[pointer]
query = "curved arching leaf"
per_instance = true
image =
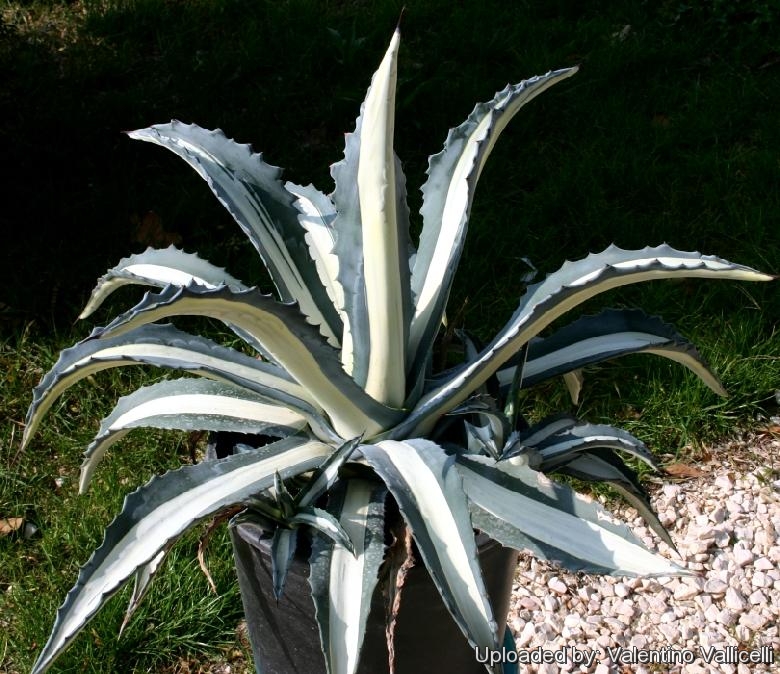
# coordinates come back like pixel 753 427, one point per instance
pixel 447 197
pixel 168 347
pixel 521 508
pixel 253 193
pixel 538 434
pixel 293 343
pixel 158 513
pixel 604 466
pixel 609 334
pixel 560 446
pixel 544 302
pixel 159 267
pixel 325 523
pixel 189 405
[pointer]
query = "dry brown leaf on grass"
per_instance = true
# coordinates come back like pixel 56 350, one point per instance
pixel 10 525
pixel 206 537
pixel 773 430
pixel 683 471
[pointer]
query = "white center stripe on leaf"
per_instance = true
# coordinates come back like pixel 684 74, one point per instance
pixel 587 348
pixel 376 183
pixel 142 542
pixel 583 540
pixel 445 530
pixel 129 351
pixel 209 405
pixel 453 213
pixel 347 600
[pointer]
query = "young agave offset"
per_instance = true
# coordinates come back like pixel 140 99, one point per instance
pixel 344 376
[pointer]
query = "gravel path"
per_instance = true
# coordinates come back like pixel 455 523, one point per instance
pixel 726 525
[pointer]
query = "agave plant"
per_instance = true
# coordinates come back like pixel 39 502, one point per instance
pixel 341 372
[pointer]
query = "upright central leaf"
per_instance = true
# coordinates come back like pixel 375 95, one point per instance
pixel 381 256
pixel 371 214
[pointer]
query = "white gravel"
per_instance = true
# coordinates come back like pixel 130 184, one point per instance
pixel 726 525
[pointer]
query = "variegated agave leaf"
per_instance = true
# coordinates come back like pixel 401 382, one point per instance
pixel 253 193
pixel 603 465
pixel 158 513
pixel 447 197
pixel 609 334
pixel 316 215
pixel 556 441
pixel 342 582
pixel 294 344
pixel 586 451
pixel 520 508
pixel 562 290
pixel 540 432
pixel 168 347
pixel 372 242
pixel 423 480
pixel 322 521
pixel 159 267
pixel 189 405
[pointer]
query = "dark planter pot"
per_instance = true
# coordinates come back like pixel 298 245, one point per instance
pixel 285 639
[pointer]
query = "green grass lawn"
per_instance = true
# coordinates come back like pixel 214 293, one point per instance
pixel 668 133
